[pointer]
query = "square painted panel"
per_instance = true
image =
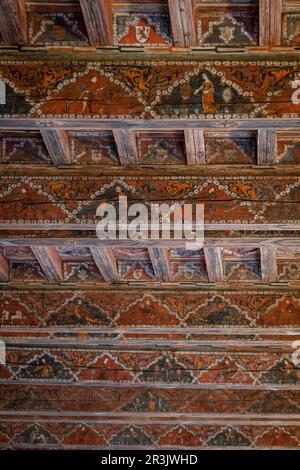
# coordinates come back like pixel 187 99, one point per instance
pixel 241 264
pixel 227 25
pixel 188 265
pixel 46 28
pixel 161 148
pixel 288 266
pixel 26 270
pixel 288 147
pixel 234 148
pixel 290 31
pixel 142 29
pixel 136 270
pixel 24 148
pixel 74 271
pixel 93 148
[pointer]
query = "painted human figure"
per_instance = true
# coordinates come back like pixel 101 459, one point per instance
pixel 208 95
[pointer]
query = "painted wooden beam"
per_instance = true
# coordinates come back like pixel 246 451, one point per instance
pixel 183 22
pixel 13 22
pixel 195 146
pixel 57 143
pixel 266 147
pixel 4 268
pixel 98 21
pixel 214 263
pixel 126 146
pixel 268 263
pixel 50 262
pixel 105 262
pixel 161 263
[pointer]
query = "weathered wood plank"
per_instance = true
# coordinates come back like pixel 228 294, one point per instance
pixel 49 261
pixel 126 146
pixel 4 268
pixel 214 263
pixel 183 22
pixel 268 263
pixel 13 21
pixel 270 22
pixel 264 22
pixel 57 143
pixel 266 146
pixel 106 262
pixel 161 263
pixel 92 226
pixel 275 22
pixel 195 146
pixel 99 21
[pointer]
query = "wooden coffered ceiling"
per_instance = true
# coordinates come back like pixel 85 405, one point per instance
pixel 144 344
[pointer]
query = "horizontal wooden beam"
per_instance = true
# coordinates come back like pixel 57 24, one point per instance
pixel 161 263
pixel 149 125
pixel 183 22
pixel 49 261
pixel 126 146
pixel 105 262
pixel 291 244
pixel 57 143
pixel 98 20
pixel 285 227
pixel 4 268
pixel 195 146
pixel 152 418
pixel 13 22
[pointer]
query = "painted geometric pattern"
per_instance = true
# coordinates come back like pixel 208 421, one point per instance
pixel 142 30
pixel 227 26
pixel 188 265
pixel 94 309
pixel 56 28
pixel 29 148
pixel 26 270
pixel 288 265
pixel 241 264
pixel 75 200
pixel 136 270
pixel 56 435
pixel 81 271
pixel 238 149
pixel 91 148
pixel 150 90
pixel 288 147
pixel 32 397
pixel 161 148
pixel 68 365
